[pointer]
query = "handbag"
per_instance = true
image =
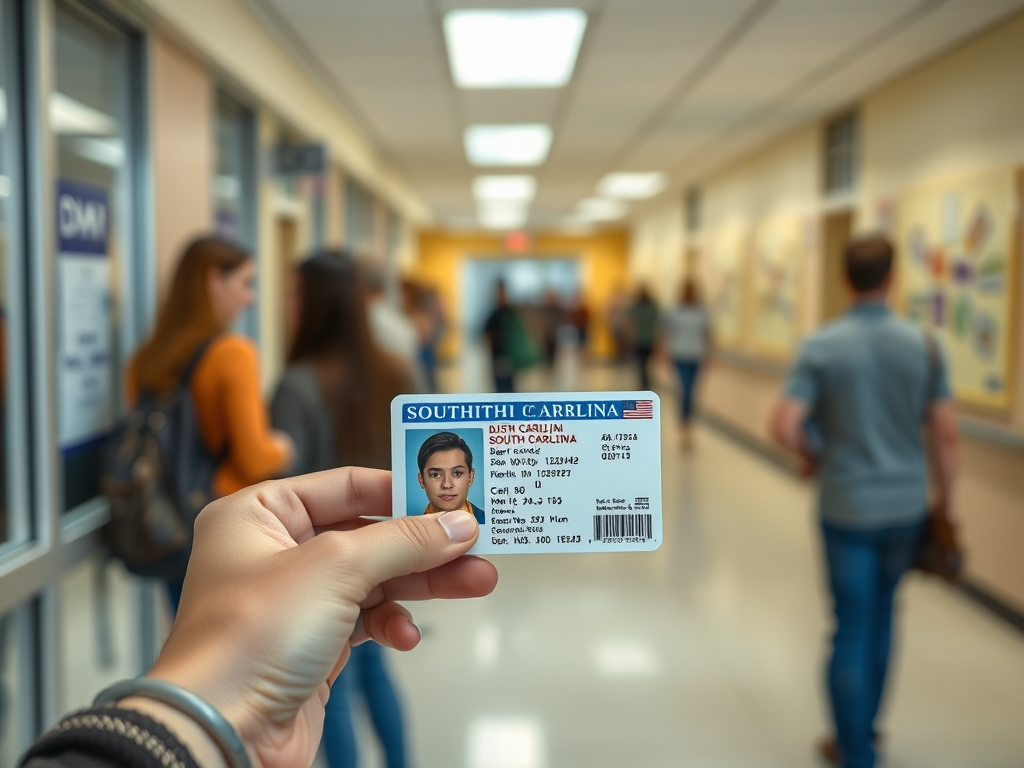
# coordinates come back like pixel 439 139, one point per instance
pixel 939 552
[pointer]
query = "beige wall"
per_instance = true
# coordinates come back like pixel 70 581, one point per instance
pixel 236 42
pixel 182 135
pixel 960 112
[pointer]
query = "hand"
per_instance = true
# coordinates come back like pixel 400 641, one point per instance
pixel 284 578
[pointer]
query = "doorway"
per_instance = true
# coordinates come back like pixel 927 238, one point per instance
pixel 835 298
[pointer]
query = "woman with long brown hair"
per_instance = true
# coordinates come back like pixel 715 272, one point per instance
pixel 212 285
pixel 335 402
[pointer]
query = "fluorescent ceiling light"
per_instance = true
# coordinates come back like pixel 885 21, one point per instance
pixel 601 209
pixel 502 216
pixel 70 116
pixel 519 188
pixel 513 48
pixel 625 660
pixel 526 144
pixel 632 186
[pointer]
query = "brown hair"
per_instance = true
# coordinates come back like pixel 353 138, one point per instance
pixel 689 295
pixel 868 262
pixel 187 317
pixel 358 380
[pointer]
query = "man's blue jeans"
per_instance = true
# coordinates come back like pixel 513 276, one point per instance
pixel 364 673
pixel 864 567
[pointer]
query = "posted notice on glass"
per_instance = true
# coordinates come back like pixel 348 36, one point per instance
pixel 540 471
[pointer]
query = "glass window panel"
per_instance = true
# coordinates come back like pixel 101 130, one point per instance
pixel 89 116
pixel 6 523
pixel 16 691
pixel 100 616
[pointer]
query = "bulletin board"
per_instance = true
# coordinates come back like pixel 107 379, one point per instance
pixel 957 276
pixel 777 256
pixel 723 264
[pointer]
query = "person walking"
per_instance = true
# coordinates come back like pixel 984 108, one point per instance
pixel 335 402
pixel 643 323
pixel 211 287
pixel 852 412
pixel 686 336
pixel 498 330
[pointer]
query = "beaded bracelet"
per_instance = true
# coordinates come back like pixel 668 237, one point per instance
pixel 186 702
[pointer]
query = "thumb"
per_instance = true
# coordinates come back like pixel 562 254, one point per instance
pixel 407 545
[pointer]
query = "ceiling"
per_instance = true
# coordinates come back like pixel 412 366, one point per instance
pixel 681 86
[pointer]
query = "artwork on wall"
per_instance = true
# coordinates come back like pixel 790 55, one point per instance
pixel 723 265
pixel 776 262
pixel 956 276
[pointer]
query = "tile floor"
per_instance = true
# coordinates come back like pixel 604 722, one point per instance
pixel 705 653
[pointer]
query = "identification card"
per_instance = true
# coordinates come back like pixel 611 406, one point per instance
pixel 541 471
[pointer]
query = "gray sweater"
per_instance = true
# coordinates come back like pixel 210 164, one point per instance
pixel 298 408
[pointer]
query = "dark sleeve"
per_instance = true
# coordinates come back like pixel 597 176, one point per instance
pixel 108 737
pixel 288 412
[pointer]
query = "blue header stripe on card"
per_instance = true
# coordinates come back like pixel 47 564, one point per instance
pixel 576 410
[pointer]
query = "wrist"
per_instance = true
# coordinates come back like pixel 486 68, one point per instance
pixel 186 730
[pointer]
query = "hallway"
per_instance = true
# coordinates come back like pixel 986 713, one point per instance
pixel 704 653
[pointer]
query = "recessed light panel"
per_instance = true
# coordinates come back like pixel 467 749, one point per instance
pixel 502 215
pixel 601 209
pixel 518 187
pixel 533 48
pixel 632 186
pixel 507 145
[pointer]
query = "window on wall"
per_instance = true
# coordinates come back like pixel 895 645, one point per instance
pixel 841 153
pixel 91 116
pixel 234 180
pixel 6 189
pixel 360 217
pixel 235 185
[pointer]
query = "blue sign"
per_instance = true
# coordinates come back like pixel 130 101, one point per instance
pixel 83 217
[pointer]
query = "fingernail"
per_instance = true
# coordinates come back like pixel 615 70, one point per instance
pixel 418 630
pixel 459 525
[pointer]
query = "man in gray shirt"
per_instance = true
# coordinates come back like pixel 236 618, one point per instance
pixel 853 410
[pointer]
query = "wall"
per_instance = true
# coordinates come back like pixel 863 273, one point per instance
pixel 957 113
pixel 604 269
pixel 232 38
pixel 182 136
pixel 961 113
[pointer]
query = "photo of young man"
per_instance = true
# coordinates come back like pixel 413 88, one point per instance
pixel 446 474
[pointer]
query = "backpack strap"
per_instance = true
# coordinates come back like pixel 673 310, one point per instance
pixel 193 363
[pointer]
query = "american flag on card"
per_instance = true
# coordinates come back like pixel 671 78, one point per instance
pixel 638 409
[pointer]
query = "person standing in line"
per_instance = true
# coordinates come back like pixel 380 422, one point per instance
pixel 497 331
pixel 853 410
pixel 686 334
pixel 390 324
pixel 212 285
pixel 335 402
pixel 643 323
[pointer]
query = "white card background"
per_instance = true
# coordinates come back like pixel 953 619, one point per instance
pixel 555 472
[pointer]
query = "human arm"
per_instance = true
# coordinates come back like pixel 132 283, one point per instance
pixel 944 451
pixel 284 578
pixel 255 451
pixel 789 416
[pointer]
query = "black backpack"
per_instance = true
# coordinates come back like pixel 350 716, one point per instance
pixel 157 475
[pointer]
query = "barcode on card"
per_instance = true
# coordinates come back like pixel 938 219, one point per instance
pixel 622 527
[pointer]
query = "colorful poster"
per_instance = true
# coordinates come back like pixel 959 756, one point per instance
pixel 956 276
pixel 85 376
pixel 723 266
pixel 777 258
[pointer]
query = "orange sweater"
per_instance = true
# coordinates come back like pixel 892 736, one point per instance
pixel 231 412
